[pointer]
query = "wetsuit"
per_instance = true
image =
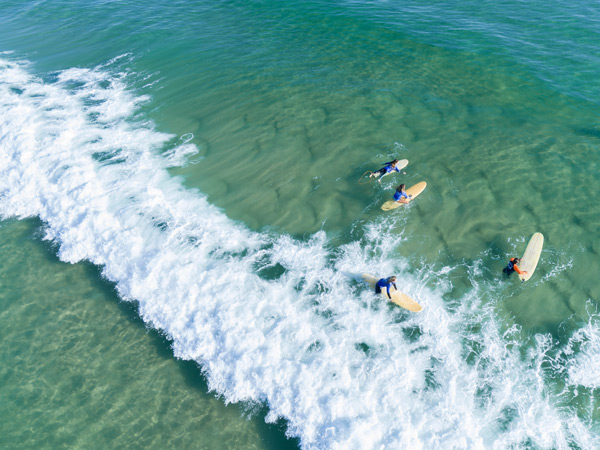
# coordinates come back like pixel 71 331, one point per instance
pixel 399 194
pixel 511 267
pixel 386 284
pixel 385 170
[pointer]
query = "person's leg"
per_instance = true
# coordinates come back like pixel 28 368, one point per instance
pixel 377 173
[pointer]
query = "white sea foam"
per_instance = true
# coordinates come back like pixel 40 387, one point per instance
pixel 306 338
pixel 582 355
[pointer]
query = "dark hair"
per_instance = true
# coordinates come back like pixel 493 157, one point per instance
pixel 402 186
pixel 392 278
pixel 394 162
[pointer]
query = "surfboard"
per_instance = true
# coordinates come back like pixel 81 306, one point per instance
pixel 413 190
pixel 402 164
pixel 530 258
pixel 398 297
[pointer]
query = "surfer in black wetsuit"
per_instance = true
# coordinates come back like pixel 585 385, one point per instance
pixel 386 283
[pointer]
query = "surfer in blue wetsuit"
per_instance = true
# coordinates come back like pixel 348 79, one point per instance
pixel 385 283
pixel 388 167
pixel 400 195
pixel 512 267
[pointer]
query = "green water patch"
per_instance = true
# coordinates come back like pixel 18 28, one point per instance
pixel 81 370
pixel 287 151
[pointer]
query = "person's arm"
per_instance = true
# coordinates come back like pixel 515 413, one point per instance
pixel 519 270
pixel 388 292
pixel 402 198
pixel 395 287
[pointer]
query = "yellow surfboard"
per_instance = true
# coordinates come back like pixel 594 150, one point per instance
pixel 413 190
pixel 530 258
pixel 398 297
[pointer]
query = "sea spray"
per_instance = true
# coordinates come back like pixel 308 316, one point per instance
pixel 270 319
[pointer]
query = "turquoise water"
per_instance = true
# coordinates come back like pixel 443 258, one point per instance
pixel 202 161
pixel 74 356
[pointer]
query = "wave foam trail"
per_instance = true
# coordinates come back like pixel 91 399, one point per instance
pixel 343 369
pixel 582 355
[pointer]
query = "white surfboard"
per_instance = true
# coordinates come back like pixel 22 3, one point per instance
pixel 413 190
pixel 398 297
pixel 530 258
pixel 402 164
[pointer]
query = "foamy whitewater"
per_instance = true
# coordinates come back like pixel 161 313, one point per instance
pixel 270 319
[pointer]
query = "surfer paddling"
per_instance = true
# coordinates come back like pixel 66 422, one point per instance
pixel 512 266
pixel 385 283
pixel 400 195
pixel 387 168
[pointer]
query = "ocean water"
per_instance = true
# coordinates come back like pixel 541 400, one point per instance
pixel 183 231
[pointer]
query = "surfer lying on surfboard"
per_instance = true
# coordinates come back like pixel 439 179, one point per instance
pixel 400 195
pixel 386 283
pixel 388 167
pixel 512 267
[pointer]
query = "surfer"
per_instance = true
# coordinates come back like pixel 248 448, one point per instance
pixel 388 167
pixel 512 266
pixel 400 195
pixel 385 283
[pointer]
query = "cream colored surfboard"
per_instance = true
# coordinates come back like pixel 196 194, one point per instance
pixel 402 164
pixel 530 258
pixel 413 190
pixel 398 297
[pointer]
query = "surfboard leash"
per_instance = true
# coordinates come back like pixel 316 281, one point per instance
pixel 363 179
